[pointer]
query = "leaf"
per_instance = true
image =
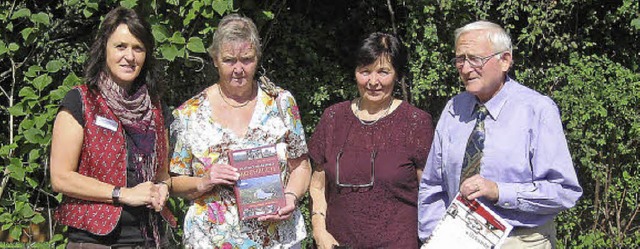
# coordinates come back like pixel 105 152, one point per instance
pixel 7 225
pixel 57 237
pixel 28 93
pixel 5 218
pixel 15 232
pixel 129 4
pixel 222 6
pixel 13 47
pixel 16 172
pixel 636 23
pixel 177 38
pixel 59 93
pixel 27 211
pixel 26 32
pixel 16 110
pixel 268 15
pixel 195 45
pixel 20 13
pixel 189 17
pixel 40 121
pixel 93 4
pixel 41 18
pixel 169 52
pixel 31 182
pixel 42 81
pixel 3 48
pixel 54 66
pixel 87 13
pixel 37 219
pixel 160 33
pixel 33 71
pixel 5 149
pixel 71 80
pixel 27 123
pixel 33 135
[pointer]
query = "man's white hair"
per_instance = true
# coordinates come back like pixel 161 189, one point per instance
pixel 500 40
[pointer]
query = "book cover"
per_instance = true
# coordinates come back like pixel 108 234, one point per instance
pixel 469 224
pixel 259 190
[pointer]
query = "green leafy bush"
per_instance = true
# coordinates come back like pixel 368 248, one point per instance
pixel 584 54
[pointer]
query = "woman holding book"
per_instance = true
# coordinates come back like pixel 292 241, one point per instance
pixel 237 112
pixel 368 155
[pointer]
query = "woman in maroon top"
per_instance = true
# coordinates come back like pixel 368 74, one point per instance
pixel 368 156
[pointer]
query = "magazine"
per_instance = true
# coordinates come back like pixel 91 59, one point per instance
pixel 259 190
pixel 469 224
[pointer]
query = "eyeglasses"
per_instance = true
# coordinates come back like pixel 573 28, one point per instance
pixel 348 185
pixel 474 61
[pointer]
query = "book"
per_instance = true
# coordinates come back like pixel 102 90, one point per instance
pixel 469 224
pixel 259 190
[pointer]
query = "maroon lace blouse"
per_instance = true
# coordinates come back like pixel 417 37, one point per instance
pixel 384 215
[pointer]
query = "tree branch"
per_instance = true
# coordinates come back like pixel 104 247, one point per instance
pixel 5 179
pixel 403 83
pixel 633 216
pixel 393 18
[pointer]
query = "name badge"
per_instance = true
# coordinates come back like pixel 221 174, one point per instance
pixel 106 123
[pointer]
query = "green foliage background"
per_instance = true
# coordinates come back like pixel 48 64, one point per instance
pixel 582 53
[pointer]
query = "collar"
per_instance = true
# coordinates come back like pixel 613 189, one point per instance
pixel 495 104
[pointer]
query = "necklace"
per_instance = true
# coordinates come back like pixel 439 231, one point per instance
pixel 373 121
pixel 224 98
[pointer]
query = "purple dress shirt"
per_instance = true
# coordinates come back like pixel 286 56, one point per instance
pixel 525 153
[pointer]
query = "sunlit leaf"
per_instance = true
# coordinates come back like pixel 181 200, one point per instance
pixel 54 66
pixel 222 6
pixel 16 110
pixel 28 93
pixel 41 18
pixel 160 33
pixel 27 211
pixel 636 23
pixel 130 4
pixel 177 38
pixel 59 93
pixel 195 45
pixel 25 33
pixel 13 47
pixel 169 52
pixel 16 172
pixel 71 80
pixel 20 13
pixel 33 135
pixel 268 15
pixel 42 81
pixel 33 71
pixel 15 232
pixel 37 219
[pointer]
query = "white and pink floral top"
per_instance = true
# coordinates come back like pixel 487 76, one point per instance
pixel 212 219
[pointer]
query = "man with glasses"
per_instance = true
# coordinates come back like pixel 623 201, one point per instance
pixel 498 142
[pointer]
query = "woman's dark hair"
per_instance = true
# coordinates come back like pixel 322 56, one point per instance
pixel 96 64
pixel 379 45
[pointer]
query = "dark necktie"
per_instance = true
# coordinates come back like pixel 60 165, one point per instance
pixel 475 145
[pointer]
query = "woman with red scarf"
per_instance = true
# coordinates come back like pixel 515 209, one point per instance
pixel 109 145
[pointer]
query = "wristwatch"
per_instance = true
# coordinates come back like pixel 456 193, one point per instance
pixel 115 195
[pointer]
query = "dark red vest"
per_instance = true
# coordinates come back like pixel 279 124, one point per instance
pixel 104 157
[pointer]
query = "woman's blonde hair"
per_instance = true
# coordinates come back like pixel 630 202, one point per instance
pixel 235 28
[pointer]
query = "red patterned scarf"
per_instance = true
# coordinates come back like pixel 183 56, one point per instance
pixel 134 112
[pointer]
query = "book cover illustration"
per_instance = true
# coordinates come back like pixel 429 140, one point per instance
pixel 259 190
pixel 469 224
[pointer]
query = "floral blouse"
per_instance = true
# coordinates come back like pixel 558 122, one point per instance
pixel 212 219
